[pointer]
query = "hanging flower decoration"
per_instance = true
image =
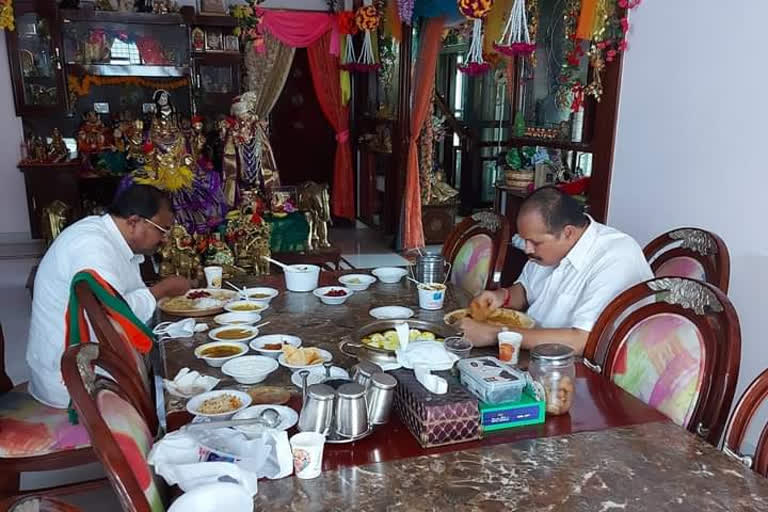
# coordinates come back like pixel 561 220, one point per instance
pixel 608 40
pixel 405 10
pixel 475 10
pixel 249 27
pixel 367 19
pixel 515 39
pixel 6 15
pixel 348 27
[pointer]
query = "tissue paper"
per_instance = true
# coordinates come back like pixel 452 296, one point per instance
pixel 188 383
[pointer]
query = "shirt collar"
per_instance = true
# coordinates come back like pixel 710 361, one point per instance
pixel 115 234
pixel 579 253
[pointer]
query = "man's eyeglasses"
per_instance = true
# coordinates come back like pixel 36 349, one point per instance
pixel 160 228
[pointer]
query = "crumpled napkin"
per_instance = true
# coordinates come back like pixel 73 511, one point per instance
pixel 431 355
pixel 433 383
pixel 403 334
pixel 185 328
pixel 188 383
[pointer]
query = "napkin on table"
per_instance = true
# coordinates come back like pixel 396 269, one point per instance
pixel 433 383
pixel 189 383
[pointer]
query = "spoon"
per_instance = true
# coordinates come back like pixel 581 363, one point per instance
pixel 269 417
pixel 412 279
pixel 261 325
pixel 278 263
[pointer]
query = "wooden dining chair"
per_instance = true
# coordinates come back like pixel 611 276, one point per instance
pixel 674 343
pixel 690 252
pixel 476 249
pixel 120 434
pixel 742 418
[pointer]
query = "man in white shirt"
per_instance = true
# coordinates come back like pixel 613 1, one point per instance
pixel 576 267
pixel 114 246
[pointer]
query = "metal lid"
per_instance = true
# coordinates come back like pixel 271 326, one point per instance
pixel 321 392
pixel 367 368
pixel 383 380
pixel 552 352
pixel 351 390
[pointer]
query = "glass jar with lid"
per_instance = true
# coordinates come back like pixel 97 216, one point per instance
pixel 552 365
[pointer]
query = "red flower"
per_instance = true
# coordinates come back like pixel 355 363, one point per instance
pixel 625 24
pixel 148 147
pixel 610 55
pixel 623 45
pixel 602 44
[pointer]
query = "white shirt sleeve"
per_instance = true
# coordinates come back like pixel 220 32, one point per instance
pixel 605 285
pixel 525 281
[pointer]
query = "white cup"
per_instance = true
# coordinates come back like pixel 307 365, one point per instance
pixel 431 298
pixel 307 449
pixel 213 276
pixel 509 346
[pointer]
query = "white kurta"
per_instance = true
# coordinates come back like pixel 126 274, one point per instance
pixel 602 264
pixel 93 243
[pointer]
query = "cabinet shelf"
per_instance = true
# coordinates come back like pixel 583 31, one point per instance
pixel 132 70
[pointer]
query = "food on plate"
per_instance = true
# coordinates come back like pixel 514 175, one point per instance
pixel 337 292
pixel 198 294
pixel 301 356
pixel 234 334
pixel 272 346
pixel 354 280
pixel 269 395
pixel 499 318
pixel 479 310
pixel 197 299
pixel 220 404
pixel 246 307
pixel 388 340
pixel 221 351
pixel 258 295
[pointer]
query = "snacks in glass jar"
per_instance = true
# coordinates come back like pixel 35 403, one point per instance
pixel 559 393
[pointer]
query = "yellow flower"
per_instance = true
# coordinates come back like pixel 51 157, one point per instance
pixel 237 31
pixel 248 11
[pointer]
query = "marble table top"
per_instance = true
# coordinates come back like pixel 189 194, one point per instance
pixel 643 468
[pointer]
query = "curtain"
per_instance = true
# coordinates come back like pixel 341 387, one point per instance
pixel 423 81
pixel 301 29
pixel 266 72
pixel 325 79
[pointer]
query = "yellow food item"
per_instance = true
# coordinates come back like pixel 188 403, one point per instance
pixel 302 356
pixel 388 340
pixel 233 334
pixel 220 404
pixel 246 307
pixel 221 351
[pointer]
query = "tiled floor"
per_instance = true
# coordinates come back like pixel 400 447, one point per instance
pixel 362 248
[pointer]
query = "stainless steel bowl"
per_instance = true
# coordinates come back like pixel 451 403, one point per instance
pixel 377 355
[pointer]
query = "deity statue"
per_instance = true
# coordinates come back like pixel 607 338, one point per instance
pixel 197 138
pixel 57 151
pixel 314 201
pixel 179 257
pixel 36 149
pixel 90 136
pixel 250 235
pixel 440 191
pixel 134 138
pixel 55 218
pixel 228 162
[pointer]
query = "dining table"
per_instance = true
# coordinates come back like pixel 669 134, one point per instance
pixel 610 452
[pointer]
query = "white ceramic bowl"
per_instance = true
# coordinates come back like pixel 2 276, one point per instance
pixel 288 418
pixel 255 294
pixel 389 275
pixel 249 332
pixel 214 498
pixel 216 362
pixel 327 356
pixel 246 306
pixel 391 312
pixel 320 293
pixel 257 344
pixel 249 369
pixel 357 282
pixel 237 318
pixel 302 278
pixel 194 403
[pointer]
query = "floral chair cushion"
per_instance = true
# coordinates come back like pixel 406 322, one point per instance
pixel 682 266
pixel 661 362
pixel 472 264
pixel 31 429
pixel 132 435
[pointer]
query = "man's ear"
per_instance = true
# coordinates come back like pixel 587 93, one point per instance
pixel 568 232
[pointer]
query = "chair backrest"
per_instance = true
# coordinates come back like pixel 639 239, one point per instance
pixel 111 334
pixel 674 343
pixel 119 433
pixel 743 415
pixel 476 249
pixel 690 252
pixel 5 381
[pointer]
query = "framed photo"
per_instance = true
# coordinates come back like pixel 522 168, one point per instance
pixel 213 6
pixel 231 43
pixel 198 39
pixel 213 40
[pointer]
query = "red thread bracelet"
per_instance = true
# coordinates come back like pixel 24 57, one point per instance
pixel 507 294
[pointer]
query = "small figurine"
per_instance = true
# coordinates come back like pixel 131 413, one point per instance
pixel 55 217
pixel 197 139
pixel 179 256
pixel 90 137
pixel 314 201
pixel 38 150
pixel 250 235
pixel 57 151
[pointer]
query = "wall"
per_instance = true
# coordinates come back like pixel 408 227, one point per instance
pixel 690 146
pixel 14 220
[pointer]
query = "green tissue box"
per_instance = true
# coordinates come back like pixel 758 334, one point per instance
pixel 526 411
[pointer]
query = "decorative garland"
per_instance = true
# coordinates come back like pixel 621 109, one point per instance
pixel 82 87
pixel 249 25
pixel 347 27
pixel 516 37
pixel 405 10
pixel 367 19
pixel 6 15
pixel 475 10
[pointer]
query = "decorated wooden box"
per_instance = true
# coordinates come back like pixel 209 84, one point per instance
pixel 437 420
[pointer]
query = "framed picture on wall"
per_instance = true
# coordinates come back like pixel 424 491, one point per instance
pixel 198 39
pixel 213 6
pixel 213 40
pixel 231 44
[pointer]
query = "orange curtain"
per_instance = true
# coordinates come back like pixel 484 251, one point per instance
pixel 423 79
pixel 325 79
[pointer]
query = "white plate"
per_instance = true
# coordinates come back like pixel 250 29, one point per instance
pixel 237 318
pixel 259 342
pixel 213 498
pixel 391 312
pixel 320 293
pixel 357 282
pixel 270 292
pixel 260 306
pixel 327 356
pixel 317 375
pixel 288 418
pixel 252 332
pixel 249 369
pixel 196 401
pixel 389 275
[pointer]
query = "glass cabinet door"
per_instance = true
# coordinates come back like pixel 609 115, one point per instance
pixel 36 64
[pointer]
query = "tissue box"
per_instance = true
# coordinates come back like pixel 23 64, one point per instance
pixel 526 411
pixel 436 420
